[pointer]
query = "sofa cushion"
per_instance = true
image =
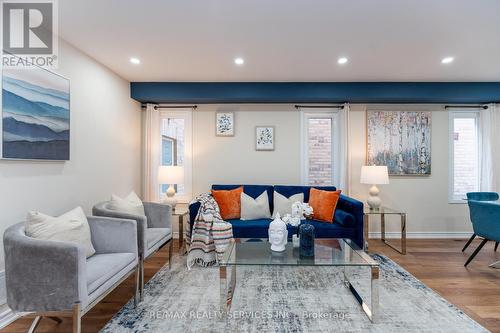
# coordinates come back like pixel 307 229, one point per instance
pixel 254 228
pixel 102 267
pixel 252 190
pixel 331 230
pixel 323 204
pixel 344 218
pixel 287 191
pixel 252 209
pixel 283 204
pixel 229 202
pixel 154 235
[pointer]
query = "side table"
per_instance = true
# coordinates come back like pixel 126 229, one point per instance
pixel 182 214
pixel 382 211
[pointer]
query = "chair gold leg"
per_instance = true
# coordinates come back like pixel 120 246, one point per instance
pixel 35 324
pixel 77 318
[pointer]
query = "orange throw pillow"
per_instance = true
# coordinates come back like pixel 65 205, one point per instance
pixel 229 202
pixel 323 204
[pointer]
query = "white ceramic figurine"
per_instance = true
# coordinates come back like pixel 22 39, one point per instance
pixel 278 234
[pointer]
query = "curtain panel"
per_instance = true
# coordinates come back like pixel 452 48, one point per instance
pixel 151 153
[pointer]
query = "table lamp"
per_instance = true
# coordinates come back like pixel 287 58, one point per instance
pixel 170 175
pixel 374 175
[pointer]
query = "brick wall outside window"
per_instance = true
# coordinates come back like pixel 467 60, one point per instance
pixel 320 151
pixel 465 156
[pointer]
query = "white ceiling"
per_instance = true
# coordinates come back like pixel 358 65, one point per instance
pixel 288 40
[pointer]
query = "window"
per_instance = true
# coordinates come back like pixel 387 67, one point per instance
pixel 176 148
pixel 320 148
pixel 464 153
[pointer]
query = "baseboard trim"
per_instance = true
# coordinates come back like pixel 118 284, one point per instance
pixel 424 235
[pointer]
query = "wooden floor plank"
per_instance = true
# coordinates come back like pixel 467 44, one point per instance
pixel 437 263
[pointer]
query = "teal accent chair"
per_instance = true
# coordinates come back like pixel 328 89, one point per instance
pixel 480 196
pixel 485 217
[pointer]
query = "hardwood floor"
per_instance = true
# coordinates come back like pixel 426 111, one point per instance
pixel 437 263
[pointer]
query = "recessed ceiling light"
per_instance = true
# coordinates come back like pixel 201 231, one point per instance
pixel 342 61
pixel 239 61
pixel 135 61
pixel 447 60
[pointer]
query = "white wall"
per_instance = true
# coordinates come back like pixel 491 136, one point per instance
pixel 423 198
pixel 105 148
pixel 234 160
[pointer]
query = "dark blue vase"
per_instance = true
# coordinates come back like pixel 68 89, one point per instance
pixel 306 237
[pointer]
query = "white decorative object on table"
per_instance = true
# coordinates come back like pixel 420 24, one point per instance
pixel 374 174
pixel 224 124
pixel 264 138
pixel 170 175
pixel 278 234
pixel 300 210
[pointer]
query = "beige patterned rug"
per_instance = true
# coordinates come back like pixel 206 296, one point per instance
pixel 288 299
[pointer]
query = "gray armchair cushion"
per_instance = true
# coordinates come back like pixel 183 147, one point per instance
pixel 101 209
pixel 111 235
pixel 43 275
pixel 157 216
pixel 154 235
pixel 101 267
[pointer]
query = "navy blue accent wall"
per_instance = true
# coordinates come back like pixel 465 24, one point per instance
pixel 315 92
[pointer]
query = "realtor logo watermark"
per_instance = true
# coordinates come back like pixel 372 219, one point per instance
pixel 29 33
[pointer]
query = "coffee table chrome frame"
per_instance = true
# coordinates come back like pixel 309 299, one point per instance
pixel 373 310
pixel 495 265
pixel 227 289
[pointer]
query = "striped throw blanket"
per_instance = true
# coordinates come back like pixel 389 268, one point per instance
pixel 210 234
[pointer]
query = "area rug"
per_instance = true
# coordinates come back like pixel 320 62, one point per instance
pixel 288 299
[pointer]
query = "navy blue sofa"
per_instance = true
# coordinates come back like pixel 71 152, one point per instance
pixel 348 218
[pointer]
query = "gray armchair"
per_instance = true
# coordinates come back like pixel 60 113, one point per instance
pixel 153 230
pixel 55 279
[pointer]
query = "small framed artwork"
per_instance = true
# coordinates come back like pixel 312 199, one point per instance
pixel 264 137
pixel 224 123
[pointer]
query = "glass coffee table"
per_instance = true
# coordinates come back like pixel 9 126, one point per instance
pixel 341 253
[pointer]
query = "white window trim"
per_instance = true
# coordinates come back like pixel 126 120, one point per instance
pixel 451 145
pixel 187 115
pixel 334 115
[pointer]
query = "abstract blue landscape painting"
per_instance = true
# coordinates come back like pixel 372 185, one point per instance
pixel 36 115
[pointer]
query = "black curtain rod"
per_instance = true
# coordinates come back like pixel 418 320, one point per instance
pixel 157 107
pixel 484 107
pixel 297 106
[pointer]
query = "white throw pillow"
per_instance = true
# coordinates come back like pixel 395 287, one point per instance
pixel 132 204
pixel 283 205
pixel 70 227
pixel 253 209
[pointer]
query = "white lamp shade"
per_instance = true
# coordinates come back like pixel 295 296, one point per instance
pixel 171 175
pixel 374 174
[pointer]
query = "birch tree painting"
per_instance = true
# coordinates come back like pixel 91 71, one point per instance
pixel 400 140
